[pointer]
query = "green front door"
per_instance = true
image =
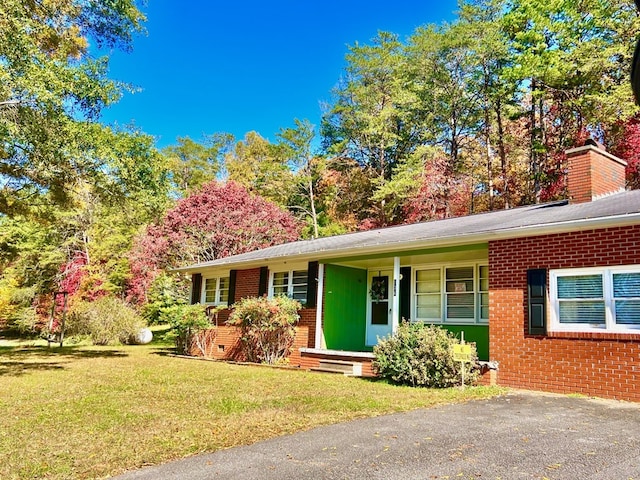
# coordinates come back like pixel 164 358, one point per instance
pixel 345 308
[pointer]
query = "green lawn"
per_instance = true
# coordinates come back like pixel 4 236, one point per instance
pixel 90 412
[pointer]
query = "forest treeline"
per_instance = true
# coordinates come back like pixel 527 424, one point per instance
pixel 457 118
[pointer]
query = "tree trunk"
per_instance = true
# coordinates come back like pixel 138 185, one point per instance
pixel 534 165
pixel 503 155
pixel 312 201
pixel 487 136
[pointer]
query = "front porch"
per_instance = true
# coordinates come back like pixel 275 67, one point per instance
pixel 365 298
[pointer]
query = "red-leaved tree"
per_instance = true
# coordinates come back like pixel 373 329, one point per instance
pixel 219 220
pixel 627 146
pixel 442 194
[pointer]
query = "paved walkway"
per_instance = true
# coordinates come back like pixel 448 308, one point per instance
pixel 519 435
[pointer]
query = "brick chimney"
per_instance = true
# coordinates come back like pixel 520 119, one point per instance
pixel 593 172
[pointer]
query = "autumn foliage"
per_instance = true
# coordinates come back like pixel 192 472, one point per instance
pixel 627 147
pixel 219 220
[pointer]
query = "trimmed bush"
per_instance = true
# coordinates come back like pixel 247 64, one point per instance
pixel 106 321
pixel 422 356
pixel 268 327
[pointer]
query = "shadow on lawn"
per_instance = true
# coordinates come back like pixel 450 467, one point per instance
pixel 15 361
pixel 164 351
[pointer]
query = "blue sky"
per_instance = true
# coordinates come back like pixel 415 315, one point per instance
pixel 214 66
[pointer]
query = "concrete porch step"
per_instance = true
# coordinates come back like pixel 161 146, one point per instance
pixel 339 366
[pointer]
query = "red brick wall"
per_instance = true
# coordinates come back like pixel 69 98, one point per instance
pixel 601 364
pixel 247 283
pixel 312 360
pixel 223 342
pixel 308 320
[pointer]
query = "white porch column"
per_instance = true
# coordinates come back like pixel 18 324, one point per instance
pixel 395 305
pixel 319 343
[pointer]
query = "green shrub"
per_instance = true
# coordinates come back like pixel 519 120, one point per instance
pixel 165 291
pixel 16 311
pixel 268 327
pixel 27 321
pixel 422 356
pixel 186 321
pixel 106 321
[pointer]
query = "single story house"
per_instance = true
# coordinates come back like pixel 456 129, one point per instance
pixel 550 293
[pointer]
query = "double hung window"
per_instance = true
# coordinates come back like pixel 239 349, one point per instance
pixel 293 284
pixel 216 291
pixel 595 299
pixel 456 294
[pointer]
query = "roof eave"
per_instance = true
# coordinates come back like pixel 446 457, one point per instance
pixel 399 247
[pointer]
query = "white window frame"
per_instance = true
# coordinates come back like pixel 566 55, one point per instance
pixel 290 283
pixel 609 324
pixel 217 302
pixel 443 320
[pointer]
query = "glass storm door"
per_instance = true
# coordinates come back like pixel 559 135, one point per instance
pixel 379 308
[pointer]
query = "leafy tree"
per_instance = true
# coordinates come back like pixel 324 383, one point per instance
pixel 188 324
pixel 571 62
pixel 81 249
pixel 192 164
pixel 443 66
pixel 219 220
pixel 625 140
pixel 165 291
pixel 370 120
pixel 488 42
pixel 52 90
pixel 345 189
pixel 439 194
pixel 256 164
pixel 295 145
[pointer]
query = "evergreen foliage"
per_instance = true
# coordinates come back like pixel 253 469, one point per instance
pixel 422 356
pixel 187 322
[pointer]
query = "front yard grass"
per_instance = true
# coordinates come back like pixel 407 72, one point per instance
pixel 91 412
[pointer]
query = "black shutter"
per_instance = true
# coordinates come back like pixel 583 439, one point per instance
pixel 264 279
pixel 537 293
pixel 233 275
pixel 196 288
pixel 312 285
pixel 405 293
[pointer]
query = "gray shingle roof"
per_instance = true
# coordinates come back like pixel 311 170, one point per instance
pixel 622 208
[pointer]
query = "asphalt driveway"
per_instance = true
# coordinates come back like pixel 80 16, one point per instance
pixel 518 435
